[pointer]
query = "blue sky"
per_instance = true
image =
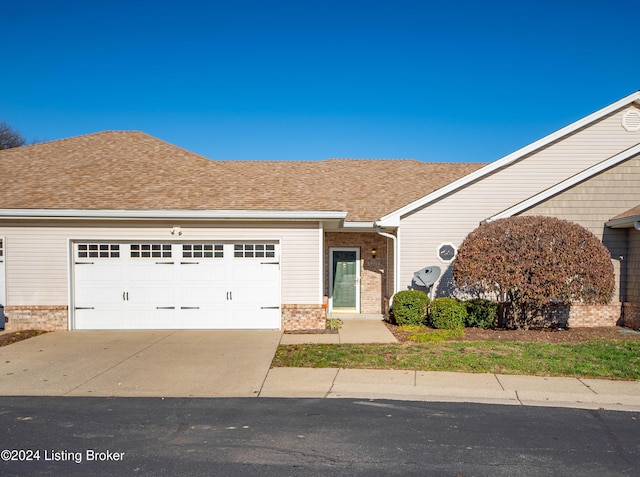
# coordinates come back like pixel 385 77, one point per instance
pixel 309 80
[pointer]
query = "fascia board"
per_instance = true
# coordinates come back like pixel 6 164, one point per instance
pixel 358 225
pixel 173 214
pixel 393 219
pixel 566 184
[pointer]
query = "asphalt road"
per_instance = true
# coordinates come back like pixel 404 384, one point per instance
pixel 309 437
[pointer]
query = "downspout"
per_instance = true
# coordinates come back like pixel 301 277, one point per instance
pixel 396 278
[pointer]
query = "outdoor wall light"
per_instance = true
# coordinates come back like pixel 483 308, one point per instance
pixel 373 253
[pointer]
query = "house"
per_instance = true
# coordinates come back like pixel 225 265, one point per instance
pixel 121 230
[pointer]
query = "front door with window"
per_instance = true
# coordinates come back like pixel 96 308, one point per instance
pixel 345 279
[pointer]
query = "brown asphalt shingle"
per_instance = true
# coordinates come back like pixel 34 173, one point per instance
pixel 628 213
pixel 131 170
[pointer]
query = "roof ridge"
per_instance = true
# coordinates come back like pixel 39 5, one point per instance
pixel 65 139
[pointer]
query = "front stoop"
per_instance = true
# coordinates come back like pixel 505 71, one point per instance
pixel 356 316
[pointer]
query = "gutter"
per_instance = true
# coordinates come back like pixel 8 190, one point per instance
pixel 396 277
pixel 172 214
pixel 624 223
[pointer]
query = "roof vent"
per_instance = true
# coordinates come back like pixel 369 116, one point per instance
pixel 631 121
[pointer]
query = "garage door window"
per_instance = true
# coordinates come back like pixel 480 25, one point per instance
pixel 96 250
pixel 202 250
pixel 150 250
pixel 254 250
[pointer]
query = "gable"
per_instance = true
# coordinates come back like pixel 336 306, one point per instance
pixel 546 162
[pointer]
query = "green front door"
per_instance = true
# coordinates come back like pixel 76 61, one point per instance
pixel 345 279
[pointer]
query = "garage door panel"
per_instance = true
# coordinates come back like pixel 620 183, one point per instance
pixel 160 295
pixel 254 316
pixel 202 295
pixel 151 272
pixel 100 318
pixel 201 318
pixel 102 294
pixel 212 271
pixel 99 271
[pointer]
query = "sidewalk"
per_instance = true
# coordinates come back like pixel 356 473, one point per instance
pixel 435 386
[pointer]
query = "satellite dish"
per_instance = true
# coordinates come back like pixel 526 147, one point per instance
pixel 426 276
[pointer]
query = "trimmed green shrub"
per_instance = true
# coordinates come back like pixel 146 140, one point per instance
pixel 481 313
pixel 410 307
pixel 447 314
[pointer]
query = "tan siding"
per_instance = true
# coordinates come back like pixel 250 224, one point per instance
pixel 594 202
pixel 633 266
pixel 598 199
pixel 37 257
pixel 453 217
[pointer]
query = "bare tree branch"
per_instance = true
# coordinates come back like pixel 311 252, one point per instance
pixel 9 137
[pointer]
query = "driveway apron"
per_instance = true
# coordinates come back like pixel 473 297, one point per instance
pixel 139 363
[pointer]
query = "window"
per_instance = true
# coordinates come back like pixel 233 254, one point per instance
pixel 98 250
pixel 202 250
pixel 1 249
pixel 150 250
pixel 254 250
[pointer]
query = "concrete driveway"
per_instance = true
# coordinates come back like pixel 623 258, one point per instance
pixel 139 363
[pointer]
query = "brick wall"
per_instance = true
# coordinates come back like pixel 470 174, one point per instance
pixel 631 313
pixel 590 316
pixel 577 316
pixel 304 317
pixel 47 318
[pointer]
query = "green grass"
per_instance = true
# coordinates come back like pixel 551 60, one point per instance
pixel 598 359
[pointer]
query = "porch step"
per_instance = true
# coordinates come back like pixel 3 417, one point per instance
pixel 357 316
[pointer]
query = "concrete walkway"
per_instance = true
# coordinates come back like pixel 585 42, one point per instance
pixel 436 386
pixel 354 330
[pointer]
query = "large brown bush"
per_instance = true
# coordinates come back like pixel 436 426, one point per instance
pixel 532 262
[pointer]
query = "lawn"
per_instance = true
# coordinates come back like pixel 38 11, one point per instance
pixel 605 359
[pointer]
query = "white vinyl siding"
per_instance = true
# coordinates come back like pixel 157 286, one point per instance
pixel 38 273
pixel 453 217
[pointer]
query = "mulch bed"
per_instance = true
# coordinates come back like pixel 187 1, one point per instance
pixel 569 335
pixel 15 336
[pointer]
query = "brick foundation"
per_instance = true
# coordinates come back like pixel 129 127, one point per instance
pixel 576 316
pixel 304 317
pixel 47 318
pixel 591 316
pixel 631 313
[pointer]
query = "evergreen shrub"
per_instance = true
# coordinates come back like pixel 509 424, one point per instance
pixel 410 307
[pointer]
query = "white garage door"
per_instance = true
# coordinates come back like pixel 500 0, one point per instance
pixel 177 285
pixel 3 282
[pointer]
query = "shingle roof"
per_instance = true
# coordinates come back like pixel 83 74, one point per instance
pixel 635 211
pixel 128 170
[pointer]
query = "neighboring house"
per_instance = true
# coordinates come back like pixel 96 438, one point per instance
pixel 121 230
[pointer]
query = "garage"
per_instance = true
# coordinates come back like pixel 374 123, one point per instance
pixel 3 286
pixel 176 285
